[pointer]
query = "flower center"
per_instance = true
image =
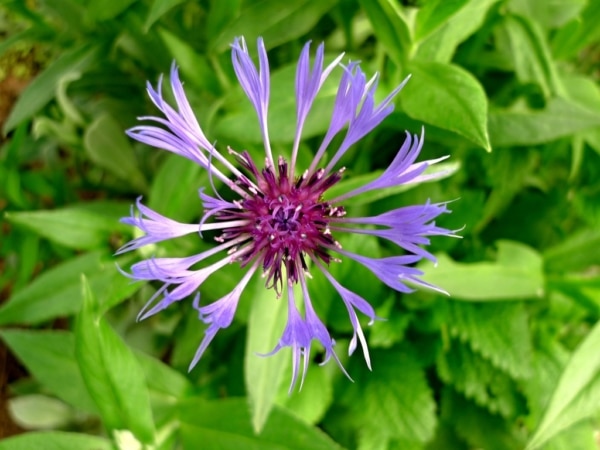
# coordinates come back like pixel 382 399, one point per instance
pixel 286 221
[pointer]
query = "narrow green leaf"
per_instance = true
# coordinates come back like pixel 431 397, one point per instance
pixel 434 14
pixel 277 22
pixel 162 378
pixel 577 394
pixel 99 10
pixel 85 226
pixel 194 66
pixel 517 274
pixel 50 357
pixel 560 118
pixel 107 146
pixel 390 27
pixel 226 424
pixel 55 440
pixel 577 252
pixel 111 372
pixel 263 375
pixel 448 97
pixel 442 43
pixel 43 87
pixel 525 43
pixel 57 292
pixel 220 15
pixel 159 8
pixel 579 32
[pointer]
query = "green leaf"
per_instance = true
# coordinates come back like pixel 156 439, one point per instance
pixel 577 252
pixel 442 43
pixel 107 146
pixel 577 394
pixel 498 331
pixel 524 42
pixel 37 411
pixel 85 226
pixel 57 292
pixel 448 97
pixel 55 440
pixel 43 87
pixel 312 402
pixel 225 424
pixel 162 378
pixel 477 379
pixel 194 66
pixel 158 9
pixel 111 372
pixel 50 357
pixel 551 14
pixel 394 401
pixel 166 195
pixel 521 126
pixel 579 32
pixel 220 15
pixel 263 375
pixel 99 10
pixel 277 22
pixel 390 27
pixel 517 274
pixel 434 14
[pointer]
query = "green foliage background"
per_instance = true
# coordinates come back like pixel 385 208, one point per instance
pixel 508 88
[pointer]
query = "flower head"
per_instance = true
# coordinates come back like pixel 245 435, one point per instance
pixel 280 221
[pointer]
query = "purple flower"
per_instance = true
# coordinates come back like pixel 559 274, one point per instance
pixel 280 220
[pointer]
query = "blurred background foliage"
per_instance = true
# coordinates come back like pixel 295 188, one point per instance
pixel 508 88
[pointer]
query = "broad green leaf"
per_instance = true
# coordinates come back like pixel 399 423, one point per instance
pixel 434 14
pixel 50 358
pixel 560 118
pixel 162 378
pixel 499 331
pixel 194 66
pixel 268 316
pixel 390 27
pixel 448 97
pixel 552 14
pixel 517 274
pixel 277 22
pixel 577 394
pixel 43 87
pixel 158 9
pixel 37 411
pixel 485 430
pixel 524 43
pixel 107 146
pixel 85 226
pixel 477 379
pixel 57 292
pixel 577 252
pixel 55 440
pixel 111 372
pixel 242 124
pixel 392 402
pixel 442 43
pixel 226 424
pixel 312 402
